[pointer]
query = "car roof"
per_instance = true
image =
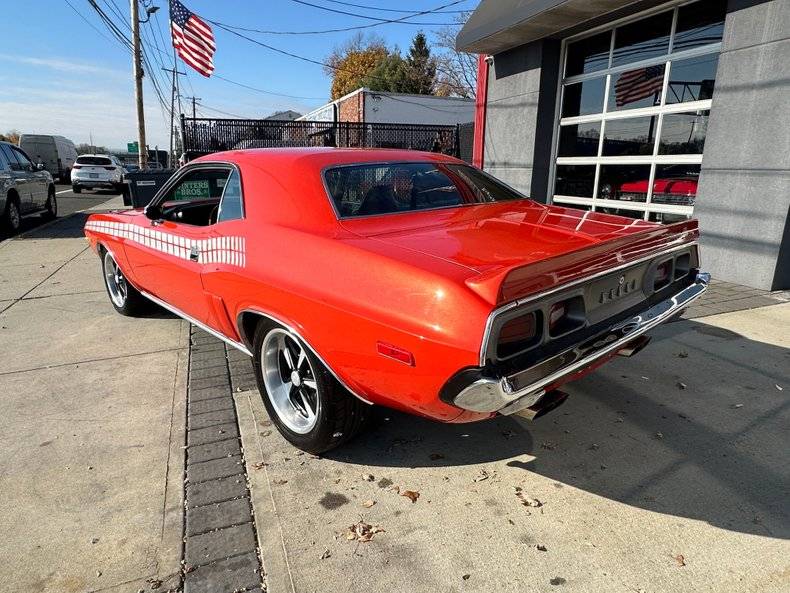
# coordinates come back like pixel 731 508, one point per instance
pixel 321 157
pixel 106 156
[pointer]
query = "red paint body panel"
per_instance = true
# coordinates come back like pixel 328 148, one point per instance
pixel 423 282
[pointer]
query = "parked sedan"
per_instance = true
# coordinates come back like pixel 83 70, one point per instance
pixel 97 171
pixel 25 188
pixel 405 279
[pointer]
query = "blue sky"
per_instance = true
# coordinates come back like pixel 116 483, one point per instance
pixel 58 75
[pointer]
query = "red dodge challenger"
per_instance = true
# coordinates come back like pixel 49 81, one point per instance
pixel 406 279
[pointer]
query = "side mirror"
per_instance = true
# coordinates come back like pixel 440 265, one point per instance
pixel 153 212
pixel 40 167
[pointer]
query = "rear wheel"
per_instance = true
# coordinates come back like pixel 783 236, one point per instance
pixel 76 189
pixel 51 205
pixel 306 403
pixel 123 296
pixel 11 219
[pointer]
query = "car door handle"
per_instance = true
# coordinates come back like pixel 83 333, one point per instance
pixel 194 253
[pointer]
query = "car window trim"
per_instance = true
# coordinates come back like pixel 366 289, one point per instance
pixel 187 169
pixel 402 212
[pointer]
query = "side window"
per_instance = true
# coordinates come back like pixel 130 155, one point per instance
pixel 3 161
pixel 195 198
pixel 231 207
pixel 9 155
pixel 22 158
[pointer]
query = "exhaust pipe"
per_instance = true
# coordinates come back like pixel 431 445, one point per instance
pixel 634 346
pixel 553 399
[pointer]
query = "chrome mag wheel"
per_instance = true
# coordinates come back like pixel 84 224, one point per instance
pixel 14 218
pixel 116 283
pixel 290 381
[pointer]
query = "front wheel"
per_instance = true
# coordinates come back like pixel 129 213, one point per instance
pixel 307 404
pixel 124 297
pixel 76 189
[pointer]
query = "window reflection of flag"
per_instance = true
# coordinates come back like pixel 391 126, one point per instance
pixel 634 85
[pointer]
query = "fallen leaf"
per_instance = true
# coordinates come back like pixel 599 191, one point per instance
pixel 508 434
pixel 368 503
pixel 541 548
pixel 594 447
pixel 259 465
pixel 682 354
pixel 681 385
pixel 779 387
pixel 280 482
pixel 680 560
pixel 412 495
pixel 466 577
pixel 368 477
pixel 325 554
pixel 558 581
pixel 362 532
pixel 659 435
pixel 736 406
pixel 645 378
pixel 483 475
pixel 548 445
pixel 435 456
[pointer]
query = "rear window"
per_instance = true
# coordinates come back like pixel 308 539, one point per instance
pixel 389 188
pixel 93 160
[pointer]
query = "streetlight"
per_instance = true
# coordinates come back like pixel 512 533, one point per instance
pixel 148 12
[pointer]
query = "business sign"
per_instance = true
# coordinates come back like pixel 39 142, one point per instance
pixel 191 190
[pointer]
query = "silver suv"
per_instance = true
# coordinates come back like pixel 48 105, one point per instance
pixel 25 188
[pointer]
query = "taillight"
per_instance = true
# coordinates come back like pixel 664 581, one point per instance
pixel 76 166
pixel 662 275
pixel 110 168
pixel 566 316
pixel 518 334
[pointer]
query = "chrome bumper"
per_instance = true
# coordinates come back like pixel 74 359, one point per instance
pixel 523 389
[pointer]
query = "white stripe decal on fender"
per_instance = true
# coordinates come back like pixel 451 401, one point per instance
pixel 223 250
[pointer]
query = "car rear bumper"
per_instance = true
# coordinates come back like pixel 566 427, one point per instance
pixel 522 389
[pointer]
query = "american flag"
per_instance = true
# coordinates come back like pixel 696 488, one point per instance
pixel 192 38
pixel 634 85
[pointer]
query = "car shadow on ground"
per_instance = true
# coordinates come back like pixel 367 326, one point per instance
pixel 694 427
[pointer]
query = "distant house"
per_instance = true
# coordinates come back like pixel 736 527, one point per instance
pixel 287 115
pixel 364 105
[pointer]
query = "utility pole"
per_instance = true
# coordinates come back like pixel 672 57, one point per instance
pixel 142 157
pixel 173 94
pixel 194 102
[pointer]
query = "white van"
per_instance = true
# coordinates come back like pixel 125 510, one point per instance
pixel 56 153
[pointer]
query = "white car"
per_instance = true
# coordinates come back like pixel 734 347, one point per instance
pixel 92 171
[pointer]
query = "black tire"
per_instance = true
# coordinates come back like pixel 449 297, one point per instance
pixel 11 219
pixel 340 417
pixel 128 301
pixel 76 189
pixel 118 187
pixel 51 212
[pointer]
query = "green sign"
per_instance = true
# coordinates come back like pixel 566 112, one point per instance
pixel 191 190
pixel 132 147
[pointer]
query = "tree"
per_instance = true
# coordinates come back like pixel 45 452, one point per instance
pixel 349 64
pixel 422 67
pixel 392 74
pixel 457 70
pixel 11 136
pixel 85 148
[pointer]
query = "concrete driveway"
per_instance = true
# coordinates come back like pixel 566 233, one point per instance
pixel 665 472
pixel 91 425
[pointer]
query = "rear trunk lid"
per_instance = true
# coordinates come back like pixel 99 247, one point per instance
pixel 521 247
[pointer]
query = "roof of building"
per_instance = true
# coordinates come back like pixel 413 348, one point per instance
pixel 499 25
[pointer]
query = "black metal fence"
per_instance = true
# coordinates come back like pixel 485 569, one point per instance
pixel 206 135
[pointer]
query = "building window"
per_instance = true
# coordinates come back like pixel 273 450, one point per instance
pixel 634 113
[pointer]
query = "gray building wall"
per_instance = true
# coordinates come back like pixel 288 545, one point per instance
pixel 743 199
pixel 522 87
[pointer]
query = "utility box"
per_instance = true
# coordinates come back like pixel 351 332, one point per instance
pixel 143 186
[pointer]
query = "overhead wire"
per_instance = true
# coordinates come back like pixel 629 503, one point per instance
pixel 379 22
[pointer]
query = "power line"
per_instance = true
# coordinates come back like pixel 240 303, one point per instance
pixel 369 7
pixel 373 18
pixel 257 90
pixel 402 20
pixel 290 54
pixel 90 24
